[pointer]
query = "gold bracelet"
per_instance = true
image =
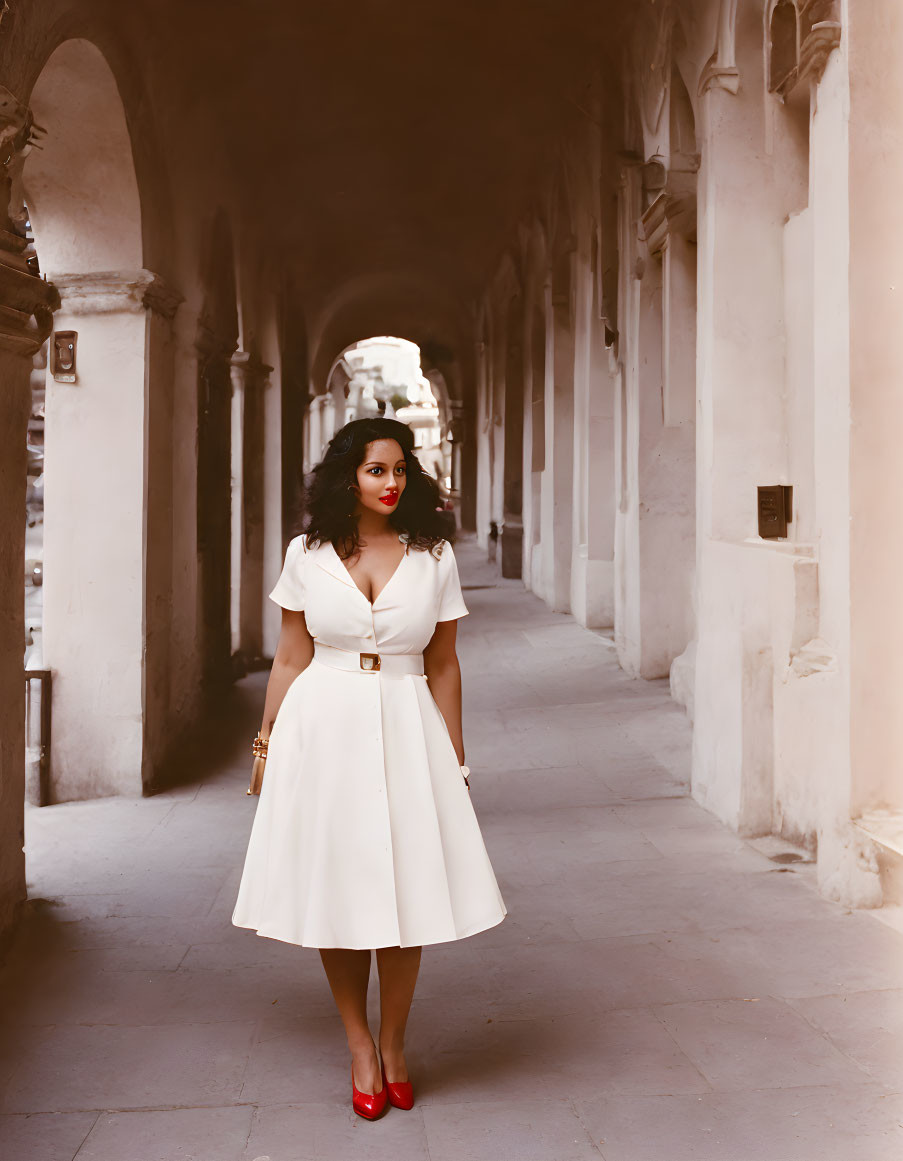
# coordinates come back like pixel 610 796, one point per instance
pixel 259 746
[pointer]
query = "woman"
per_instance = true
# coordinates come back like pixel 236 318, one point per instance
pixel 364 836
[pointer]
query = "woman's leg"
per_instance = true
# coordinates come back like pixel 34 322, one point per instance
pixel 398 968
pixel 348 972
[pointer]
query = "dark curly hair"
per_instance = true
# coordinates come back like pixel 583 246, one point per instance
pixel 329 505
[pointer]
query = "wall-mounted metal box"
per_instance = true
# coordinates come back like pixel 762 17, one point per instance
pixel 775 510
pixel 63 358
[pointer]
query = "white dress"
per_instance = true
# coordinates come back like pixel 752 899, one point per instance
pixel 364 834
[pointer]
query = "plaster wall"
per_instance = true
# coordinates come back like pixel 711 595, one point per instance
pixel 758 601
pixel 653 609
pixel 812 756
pixel 94 616
pixel 559 493
pixel 81 184
pixel 841 867
pixel 741 438
pixel 771 739
pixel 628 629
pixel 593 521
pixel 876 403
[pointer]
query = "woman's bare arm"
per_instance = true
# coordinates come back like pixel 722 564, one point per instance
pixel 293 655
pixel 443 671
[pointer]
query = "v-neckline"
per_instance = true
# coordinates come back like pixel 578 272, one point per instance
pixel 347 572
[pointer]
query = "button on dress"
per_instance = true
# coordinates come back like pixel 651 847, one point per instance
pixel 364 834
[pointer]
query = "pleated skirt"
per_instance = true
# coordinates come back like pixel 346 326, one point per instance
pixel 364 834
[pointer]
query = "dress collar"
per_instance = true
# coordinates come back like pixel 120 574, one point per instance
pixel 326 556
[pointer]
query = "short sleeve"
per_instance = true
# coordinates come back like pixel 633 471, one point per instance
pixel 451 602
pixel 289 590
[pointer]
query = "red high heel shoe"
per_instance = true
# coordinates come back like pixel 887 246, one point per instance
pixel 401 1092
pixel 369 1105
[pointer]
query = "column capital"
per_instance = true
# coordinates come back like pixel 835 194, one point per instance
pixel 27 304
pixel 459 418
pixel 162 298
pixel 820 33
pixel 27 301
pixel 249 371
pixel 720 70
pixel 670 213
pixel 116 292
pixel 209 345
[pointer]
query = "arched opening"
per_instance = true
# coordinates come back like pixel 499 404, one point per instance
pixel 384 376
pixel 82 195
pixel 682 125
pixel 791 109
pixel 784 46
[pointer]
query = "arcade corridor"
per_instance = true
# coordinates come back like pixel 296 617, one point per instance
pixel 660 989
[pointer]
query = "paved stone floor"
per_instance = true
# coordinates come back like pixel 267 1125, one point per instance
pixel 660 991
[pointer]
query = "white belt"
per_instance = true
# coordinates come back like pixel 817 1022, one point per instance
pixel 394 663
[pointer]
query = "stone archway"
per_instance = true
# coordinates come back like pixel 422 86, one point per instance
pixel 438 321
pixel 389 376
pixel 108 473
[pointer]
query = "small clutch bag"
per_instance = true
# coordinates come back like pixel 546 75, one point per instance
pixel 259 750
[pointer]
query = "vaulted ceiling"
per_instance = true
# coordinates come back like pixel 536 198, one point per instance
pixel 379 138
pixel 384 150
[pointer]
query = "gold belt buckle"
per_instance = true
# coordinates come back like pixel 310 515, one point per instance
pixel 370 661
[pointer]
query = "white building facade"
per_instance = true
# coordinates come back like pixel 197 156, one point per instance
pixel 705 303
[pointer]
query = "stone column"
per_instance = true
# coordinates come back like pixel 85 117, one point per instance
pixel 108 535
pixel 160 301
pixel 249 378
pixel 876 403
pixel 595 378
pixel 273 444
pixel 558 493
pixel 482 437
pixel 741 437
pixel 656 513
pixel 26 306
pixel 669 229
pixel 512 532
pixel 467 465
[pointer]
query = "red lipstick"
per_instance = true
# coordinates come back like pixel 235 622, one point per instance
pixel 389 500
